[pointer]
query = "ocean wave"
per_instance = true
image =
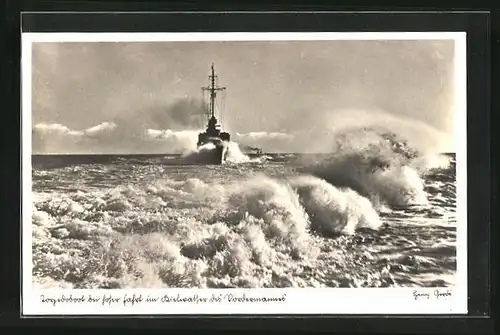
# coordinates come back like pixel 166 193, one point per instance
pixel 377 165
pixel 212 234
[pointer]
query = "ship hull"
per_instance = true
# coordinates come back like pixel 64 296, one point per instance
pixel 215 156
pixel 218 155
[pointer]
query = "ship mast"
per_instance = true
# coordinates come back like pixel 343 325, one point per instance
pixel 213 89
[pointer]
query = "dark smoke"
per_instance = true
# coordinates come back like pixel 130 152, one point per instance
pixel 183 114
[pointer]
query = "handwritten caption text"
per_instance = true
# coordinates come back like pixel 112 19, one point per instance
pixel 128 300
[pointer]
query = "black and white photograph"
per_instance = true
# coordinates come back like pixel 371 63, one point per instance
pixel 244 164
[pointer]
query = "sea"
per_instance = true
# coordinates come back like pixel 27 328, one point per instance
pixel 362 216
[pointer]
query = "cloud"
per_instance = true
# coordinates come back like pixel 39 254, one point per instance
pixel 109 138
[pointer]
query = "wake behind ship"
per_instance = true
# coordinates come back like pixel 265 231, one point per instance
pixel 213 134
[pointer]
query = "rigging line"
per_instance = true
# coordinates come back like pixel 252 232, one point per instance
pixel 223 103
pixel 219 107
pixel 206 106
pixel 203 102
pixel 202 106
pixel 219 115
pixel 219 111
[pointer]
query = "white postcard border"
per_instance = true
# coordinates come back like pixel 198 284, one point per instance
pixel 297 301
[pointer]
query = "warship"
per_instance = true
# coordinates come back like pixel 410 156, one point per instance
pixel 213 134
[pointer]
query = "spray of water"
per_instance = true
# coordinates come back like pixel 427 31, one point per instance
pixel 245 233
pixel 377 165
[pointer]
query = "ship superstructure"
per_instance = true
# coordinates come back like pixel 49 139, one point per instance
pixel 213 133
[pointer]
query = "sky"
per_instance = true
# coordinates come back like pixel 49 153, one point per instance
pixel 275 91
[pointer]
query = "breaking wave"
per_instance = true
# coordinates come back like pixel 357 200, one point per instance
pixel 377 165
pixel 207 152
pixel 141 234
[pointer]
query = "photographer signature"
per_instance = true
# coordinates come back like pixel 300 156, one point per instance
pixel 436 294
